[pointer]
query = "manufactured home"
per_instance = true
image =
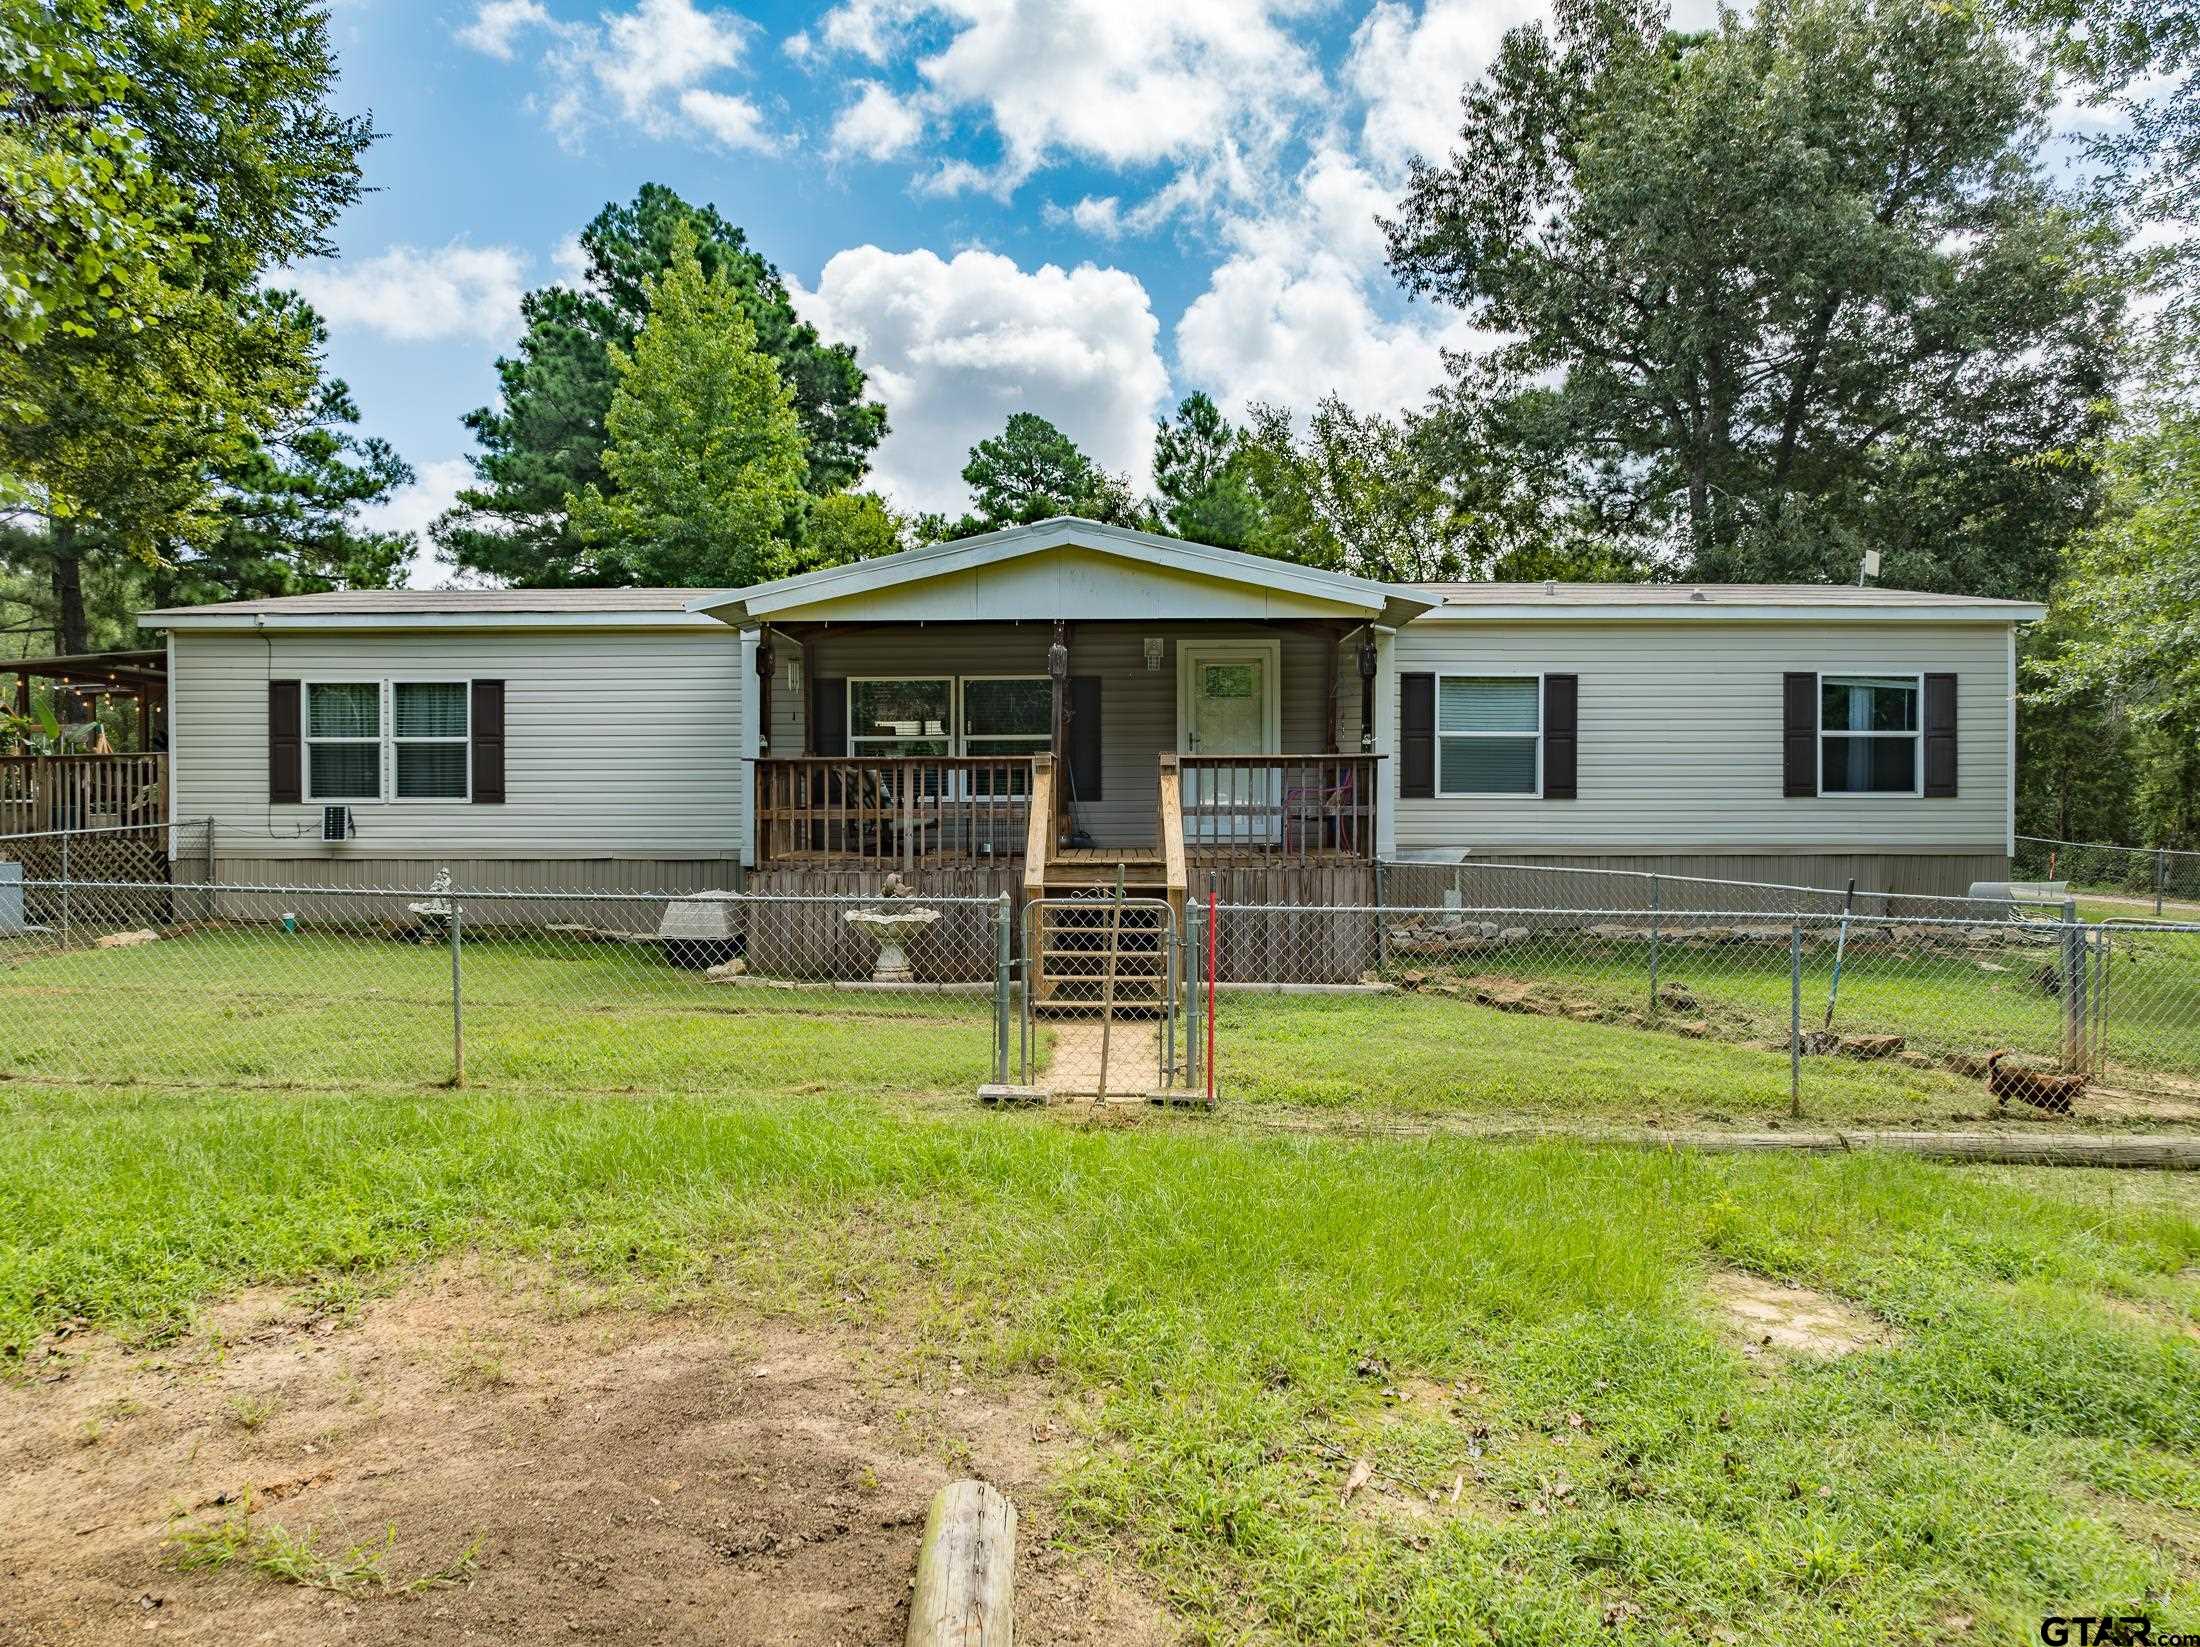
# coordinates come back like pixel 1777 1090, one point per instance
pixel 1068 703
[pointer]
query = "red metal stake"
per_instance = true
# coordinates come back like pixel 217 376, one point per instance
pixel 1213 907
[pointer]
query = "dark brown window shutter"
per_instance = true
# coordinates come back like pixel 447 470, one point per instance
pixel 1799 735
pixel 829 715
pixel 1561 735
pixel 1417 736
pixel 1940 737
pixel 488 732
pixel 1084 737
pixel 285 743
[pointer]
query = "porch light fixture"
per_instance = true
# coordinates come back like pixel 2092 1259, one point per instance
pixel 1367 659
pixel 1155 646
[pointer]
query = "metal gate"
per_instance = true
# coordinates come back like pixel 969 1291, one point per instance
pixel 1102 977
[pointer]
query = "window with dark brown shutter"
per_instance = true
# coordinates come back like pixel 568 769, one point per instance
pixel 1940 737
pixel 829 715
pixel 487 722
pixel 285 746
pixel 1084 737
pixel 1799 735
pixel 1561 735
pixel 1417 736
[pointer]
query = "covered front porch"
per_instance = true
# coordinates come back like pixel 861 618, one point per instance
pixel 1065 703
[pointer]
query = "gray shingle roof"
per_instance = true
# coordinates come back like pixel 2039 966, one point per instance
pixel 1653 597
pixel 457 602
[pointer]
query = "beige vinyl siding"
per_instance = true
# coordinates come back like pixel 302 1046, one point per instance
pixel 618 744
pixel 1680 739
pixel 1137 705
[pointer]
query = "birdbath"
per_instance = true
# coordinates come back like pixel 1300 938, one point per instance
pixel 891 929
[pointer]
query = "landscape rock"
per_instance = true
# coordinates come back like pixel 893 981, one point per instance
pixel 1696 1029
pixel 1868 1047
pixel 125 940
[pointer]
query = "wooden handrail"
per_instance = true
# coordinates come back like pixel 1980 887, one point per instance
pixel 1039 828
pixel 39 793
pixel 1172 828
pixel 891 810
pixel 1279 806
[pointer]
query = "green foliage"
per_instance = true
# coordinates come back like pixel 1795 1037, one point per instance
pixel 1776 293
pixel 846 526
pixel 706 462
pixel 1205 493
pixel 544 441
pixel 1032 471
pixel 153 148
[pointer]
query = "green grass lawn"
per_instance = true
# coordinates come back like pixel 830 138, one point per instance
pixel 1228 1313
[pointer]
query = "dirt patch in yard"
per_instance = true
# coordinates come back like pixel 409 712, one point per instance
pixel 1774 1317
pixel 622 1477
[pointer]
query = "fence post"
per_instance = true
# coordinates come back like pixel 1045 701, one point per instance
pixel 1795 1019
pixel 1382 929
pixel 64 890
pixel 1001 965
pixel 2160 859
pixel 1655 906
pixel 458 995
pixel 1195 914
pixel 2074 954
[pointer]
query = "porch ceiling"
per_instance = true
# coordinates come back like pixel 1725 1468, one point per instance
pixel 1065 569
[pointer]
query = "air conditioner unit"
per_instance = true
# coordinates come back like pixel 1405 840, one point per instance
pixel 336 823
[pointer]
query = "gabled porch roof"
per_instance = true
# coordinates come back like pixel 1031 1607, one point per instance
pixel 1064 568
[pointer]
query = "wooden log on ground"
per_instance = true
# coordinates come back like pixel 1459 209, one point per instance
pixel 965 1594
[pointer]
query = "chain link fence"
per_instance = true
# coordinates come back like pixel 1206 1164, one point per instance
pixel 1487 885
pixel 198 982
pixel 2158 875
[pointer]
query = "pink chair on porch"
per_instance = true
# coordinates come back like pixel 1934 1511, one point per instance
pixel 1311 804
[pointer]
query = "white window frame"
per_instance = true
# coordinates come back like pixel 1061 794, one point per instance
pixel 1437 710
pixel 1916 790
pixel 381 728
pixel 385 740
pixel 390 722
pixel 858 743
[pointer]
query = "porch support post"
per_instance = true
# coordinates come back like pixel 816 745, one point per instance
pixel 1383 740
pixel 752 745
pixel 1058 737
pixel 1329 697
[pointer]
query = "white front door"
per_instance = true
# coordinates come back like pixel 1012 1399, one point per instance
pixel 1227 705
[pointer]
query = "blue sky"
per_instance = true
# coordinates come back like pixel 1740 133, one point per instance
pixel 1086 208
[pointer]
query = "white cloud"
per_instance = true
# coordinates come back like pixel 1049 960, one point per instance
pixel 955 346
pixel 1410 65
pixel 498 24
pixel 412 296
pixel 1124 83
pixel 1303 306
pixel 877 125
pixel 570 258
pixel 1100 215
pixel 732 122
pixel 414 508
pixel 647 67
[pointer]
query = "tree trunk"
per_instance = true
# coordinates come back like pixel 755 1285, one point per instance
pixel 71 630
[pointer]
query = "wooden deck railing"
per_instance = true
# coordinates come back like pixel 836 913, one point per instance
pixel 44 792
pixel 1271 807
pixel 892 811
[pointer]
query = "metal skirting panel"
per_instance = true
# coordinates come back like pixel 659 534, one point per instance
pixel 1918 874
pixel 638 877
